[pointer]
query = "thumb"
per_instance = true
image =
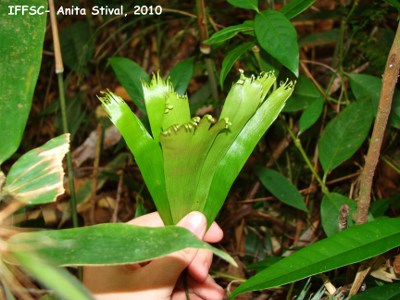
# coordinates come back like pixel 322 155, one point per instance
pixel 168 269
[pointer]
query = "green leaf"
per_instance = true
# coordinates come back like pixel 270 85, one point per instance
pixel 281 188
pixel 363 86
pixel 303 96
pixel 310 115
pixel 344 134
pixel 110 244
pixel 230 58
pixel 229 32
pixel 181 74
pixel 352 245
pixel 330 207
pixel 384 292
pixel 64 284
pixel 37 176
pixel 77 45
pixel 246 4
pixel 277 36
pixel 145 149
pixel 21 55
pixel 295 7
pixel 130 75
pixel 233 160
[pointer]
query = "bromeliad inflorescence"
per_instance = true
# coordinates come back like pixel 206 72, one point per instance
pixel 191 163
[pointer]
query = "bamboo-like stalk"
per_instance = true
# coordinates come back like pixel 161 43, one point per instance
pixel 60 72
pixel 385 103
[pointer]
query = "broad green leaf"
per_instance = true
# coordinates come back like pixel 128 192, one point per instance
pixel 231 163
pixel 21 46
pixel 281 188
pixel 230 58
pixel 246 4
pixel 131 76
pixel 229 32
pixel 384 292
pixel 303 96
pixel 295 7
pixel 57 279
pixel 181 74
pixel 110 244
pixel 310 115
pixel 277 36
pixel 363 86
pixel 330 207
pixel 37 176
pixel 352 245
pixel 344 134
pixel 77 45
pixel 145 149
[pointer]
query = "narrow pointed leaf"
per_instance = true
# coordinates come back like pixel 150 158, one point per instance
pixel 230 58
pixel 181 74
pixel 145 149
pixel 311 115
pixel 278 37
pixel 37 176
pixel 234 159
pixel 229 32
pixel 281 188
pixel 111 244
pixel 131 75
pixel 344 134
pixel 21 47
pixel 352 245
pixel 59 280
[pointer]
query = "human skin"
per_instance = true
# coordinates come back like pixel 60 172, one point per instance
pixel 161 278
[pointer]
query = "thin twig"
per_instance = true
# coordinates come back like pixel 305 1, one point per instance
pixel 385 103
pixel 60 72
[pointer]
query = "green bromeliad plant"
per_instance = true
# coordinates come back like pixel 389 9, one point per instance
pixel 190 163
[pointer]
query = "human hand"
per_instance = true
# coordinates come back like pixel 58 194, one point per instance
pixel 159 279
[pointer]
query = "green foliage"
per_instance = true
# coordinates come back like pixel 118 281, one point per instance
pixel 349 246
pixel 281 188
pixel 330 210
pixel 110 244
pixel 20 48
pixel 277 36
pixel 344 134
pixel 130 74
pixel 383 292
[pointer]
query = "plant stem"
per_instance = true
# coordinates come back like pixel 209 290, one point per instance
pixel 385 103
pixel 299 147
pixel 206 49
pixel 60 72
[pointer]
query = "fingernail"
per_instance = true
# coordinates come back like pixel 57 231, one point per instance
pixel 195 222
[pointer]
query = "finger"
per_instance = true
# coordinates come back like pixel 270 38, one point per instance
pixel 214 234
pixel 149 220
pixel 176 262
pixel 208 289
pixel 200 265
